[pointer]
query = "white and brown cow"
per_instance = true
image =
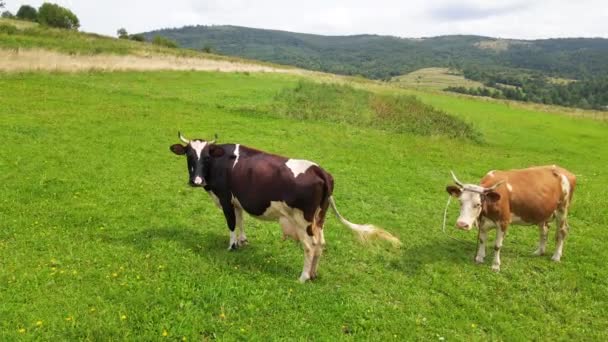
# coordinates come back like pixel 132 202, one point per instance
pixel 294 192
pixel 532 196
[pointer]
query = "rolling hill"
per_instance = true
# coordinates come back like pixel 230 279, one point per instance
pixel 382 57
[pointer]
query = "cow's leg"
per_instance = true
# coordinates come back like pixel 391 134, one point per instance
pixel 229 213
pixel 501 230
pixel 309 253
pixel 317 251
pixel 319 242
pixel 481 248
pixel 561 233
pixel 543 229
pixel 241 239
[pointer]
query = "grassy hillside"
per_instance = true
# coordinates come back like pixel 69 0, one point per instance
pixel 382 57
pixel 19 34
pixel 101 238
pixel 434 78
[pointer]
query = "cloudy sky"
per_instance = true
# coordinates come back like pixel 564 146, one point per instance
pixel 526 19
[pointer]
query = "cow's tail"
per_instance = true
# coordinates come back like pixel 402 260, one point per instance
pixel 365 231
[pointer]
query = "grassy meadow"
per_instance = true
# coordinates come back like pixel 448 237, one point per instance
pixel 102 239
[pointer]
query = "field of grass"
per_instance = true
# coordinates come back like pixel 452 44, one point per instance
pixel 434 78
pixel 101 238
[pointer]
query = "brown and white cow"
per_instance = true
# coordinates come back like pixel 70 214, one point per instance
pixel 294 192
pixel 532 196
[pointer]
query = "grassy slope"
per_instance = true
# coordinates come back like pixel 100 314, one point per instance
pixel 33 36
pixel 100 237
pixel 434 78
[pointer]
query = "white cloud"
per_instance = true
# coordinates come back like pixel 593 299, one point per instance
pixel 507 18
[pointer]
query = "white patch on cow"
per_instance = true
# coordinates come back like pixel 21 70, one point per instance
pixel 279 209
pixel 565 186
pixel 235 202
pixel 198 147
pixel 298 166
pixel 236 153
pixel 233 241
pixel 497 245
pixel 509 187
pixel 491 173
pixel 198 180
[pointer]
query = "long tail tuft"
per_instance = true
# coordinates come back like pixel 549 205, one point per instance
pixel 365 232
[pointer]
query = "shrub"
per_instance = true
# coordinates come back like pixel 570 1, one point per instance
pixel 137 37
pixel 8 29
pixel 345 104
pixel 56 16
pixel 27 12
pixel 7 14
pixel 163 41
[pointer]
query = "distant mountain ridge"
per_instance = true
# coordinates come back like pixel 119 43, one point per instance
pixel 381 57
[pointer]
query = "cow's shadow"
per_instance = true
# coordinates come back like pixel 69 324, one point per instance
pixel 416 257
pixel 213 247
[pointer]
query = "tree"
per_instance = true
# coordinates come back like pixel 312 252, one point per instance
pixel 122 33
pixel 56 16
pixel 27 12
pixel 7 14
pixel 162 41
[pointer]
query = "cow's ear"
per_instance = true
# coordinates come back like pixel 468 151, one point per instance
pixel 178 149
pixel 216 151
pixel 453 190
pixel 493 196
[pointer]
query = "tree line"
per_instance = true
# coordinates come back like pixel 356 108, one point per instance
pixel 47 14
pixel 587 93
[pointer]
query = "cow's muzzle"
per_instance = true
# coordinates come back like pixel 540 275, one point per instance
pixel 463 225
pixel 198 182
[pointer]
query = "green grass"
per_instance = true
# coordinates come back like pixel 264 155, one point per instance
pixel 101 238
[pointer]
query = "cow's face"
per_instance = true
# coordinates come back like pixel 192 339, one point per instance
pixel 473 198
pixel 470 206
pixel 197 155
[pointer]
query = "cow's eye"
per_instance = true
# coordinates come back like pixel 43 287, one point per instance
pixel 477 205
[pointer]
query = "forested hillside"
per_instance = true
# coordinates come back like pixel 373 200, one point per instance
pixel 381 57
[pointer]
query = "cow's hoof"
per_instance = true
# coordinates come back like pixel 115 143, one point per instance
pixel 496 268
pixel 243 242
pixel 556 258
pixel 304 277
pixel 479 260
pixel 538 252
pixel 233 247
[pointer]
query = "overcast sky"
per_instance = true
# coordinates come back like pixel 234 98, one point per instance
pixel 526 19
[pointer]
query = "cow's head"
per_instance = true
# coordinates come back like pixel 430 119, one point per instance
pixel 472 199
pixel 199 154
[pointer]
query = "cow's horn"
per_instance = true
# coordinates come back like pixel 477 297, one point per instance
pixel 459 183
pixel 181 137
pixel 494 186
